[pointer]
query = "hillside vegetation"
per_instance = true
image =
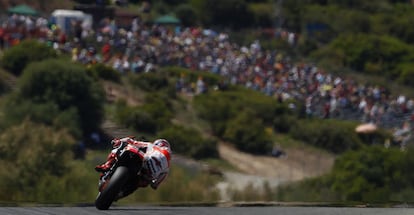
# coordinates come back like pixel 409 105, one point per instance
pixel 49 104
pixel 247 121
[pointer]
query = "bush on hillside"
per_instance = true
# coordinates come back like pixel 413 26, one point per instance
pixel 406 72
pixel 228 105
pixel 159 107
pixel 371 54
pixel 36 148
pixel 374 174
pixel 34 151
pixel 141 120
pixel 18 57
pixel 186 14
pixel 188 141
pixel 189 76
pixel 223 111
pixel 47 113
pixel 3 85
pixel 247 132
pixel 332 135
pixel 149 82
pixel 284 122
pixel 101 71
pixel 68 86
pixel 398 24
pixel 135 118
pixel 233 14
pixel 36 165
pixel 154 115
pixel 263 14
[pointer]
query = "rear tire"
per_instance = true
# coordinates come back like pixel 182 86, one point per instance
pixel 108 194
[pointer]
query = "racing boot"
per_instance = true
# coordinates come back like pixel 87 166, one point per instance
pixel 110 160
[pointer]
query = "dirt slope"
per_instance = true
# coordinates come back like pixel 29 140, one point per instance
pixel 297 165
pixel 257 170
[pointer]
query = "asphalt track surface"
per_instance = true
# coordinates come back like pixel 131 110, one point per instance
pixel 154 210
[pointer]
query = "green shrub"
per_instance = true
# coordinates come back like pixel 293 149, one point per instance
pixel 233 14
pixel 66 85
pixel 190 76
pixel 34 151
pixel 284 122
pixel 263 14
pixel 48 113
pixel 134 117
pixel 247 132
pixel 186 14
pixel 371 174
pixel 223 111
pixel 154 115
pixel 406 72
pixel 332 135
pixel 379 55
pixel 121 111
pixel 188 141
pixel 102 71
pixel 308 190
pixel 142 121
pixel 158 106
pixel 3 85
pixel 43 169
pixel 227 105
pixel 18 57
pixel 149 82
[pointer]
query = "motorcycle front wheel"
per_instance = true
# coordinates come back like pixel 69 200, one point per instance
pixel 110 191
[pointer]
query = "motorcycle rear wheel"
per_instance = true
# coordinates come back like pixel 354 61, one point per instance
pixel 110 191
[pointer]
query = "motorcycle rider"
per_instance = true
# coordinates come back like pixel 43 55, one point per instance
pixel 156 160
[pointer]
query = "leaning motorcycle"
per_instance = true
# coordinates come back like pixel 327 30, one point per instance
pixel 123 177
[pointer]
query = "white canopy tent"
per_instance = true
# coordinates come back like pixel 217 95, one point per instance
pixel 64 18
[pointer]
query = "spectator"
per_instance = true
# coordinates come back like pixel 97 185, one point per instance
pixel 200 86
pixel 144 48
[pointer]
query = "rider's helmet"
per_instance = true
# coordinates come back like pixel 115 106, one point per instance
pixel 163 143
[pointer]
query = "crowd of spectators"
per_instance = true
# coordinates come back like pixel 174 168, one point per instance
pixel 142 48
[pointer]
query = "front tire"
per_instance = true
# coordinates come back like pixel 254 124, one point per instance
pixel 108 194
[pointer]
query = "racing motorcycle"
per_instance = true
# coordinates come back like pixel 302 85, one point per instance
pixel 123 177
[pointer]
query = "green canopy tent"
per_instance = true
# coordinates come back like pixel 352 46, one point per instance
pixel 22 10
pixel 167 19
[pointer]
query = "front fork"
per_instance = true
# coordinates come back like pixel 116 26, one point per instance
pixel 104 177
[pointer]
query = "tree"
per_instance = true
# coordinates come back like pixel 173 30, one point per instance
pixel 371 174
pixel 68 86
pixel 36 165
pixel 31 151
pixel 186 14
pixel 47 113
pixel 18 57
pixel 225 13
pixel 332 135
pixel 190 142
pixel 376 55
pixel 247 132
